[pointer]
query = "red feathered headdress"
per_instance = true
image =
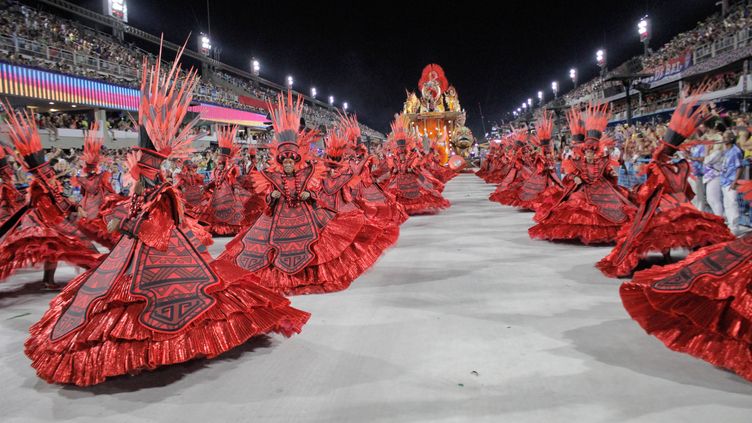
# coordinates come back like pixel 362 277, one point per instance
pixel 576 125
pixel 544 129
pixel 336 144
pixel 685 120
pixel 433 72
pixel 165 99
pixel 290 140
pixel 92 146
pixel 400 137
pixel 350 126
pixel 24 134
pixel 226 141
pixel 596 121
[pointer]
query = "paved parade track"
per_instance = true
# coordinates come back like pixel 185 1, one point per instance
pixel 464 320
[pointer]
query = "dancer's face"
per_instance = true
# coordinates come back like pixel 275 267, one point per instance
pixel 288 165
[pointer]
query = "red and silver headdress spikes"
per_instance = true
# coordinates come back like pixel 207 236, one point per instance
pixel 576 125
pixel 226 141
pixel 336 144
pixel 350 127
pixel 92 147
pixel 165 100
pixel 596 121
pixel 544 129
pixel 687 117
pixel 290 140
pixel 399 137
pixel 24 134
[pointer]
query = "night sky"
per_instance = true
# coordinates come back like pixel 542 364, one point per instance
pixel 368 53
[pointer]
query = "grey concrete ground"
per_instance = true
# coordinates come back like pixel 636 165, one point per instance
pixel 465 320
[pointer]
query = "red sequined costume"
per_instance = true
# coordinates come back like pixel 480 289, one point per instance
pixel 666 218
pixel 367 194
pixel 98 195
pixel 229 208
pixel 519 170
pixel 300 245
pixel 154 300
pixel 543 183
pixel 700 306
pixel 40 232
pixel 592 207
pixel 411 188
pixel 191 184
pixel 10 198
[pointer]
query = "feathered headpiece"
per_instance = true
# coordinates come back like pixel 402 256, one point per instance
pixel 520 136
pixel 685 120
pixel 290 140
pixel 596 121
pixel 24 134
pixel 351 128
pixel 544 129
pixel 165 99
pixel 576 125
pixel 336 144
pixel 400 136
pixel 92 147
pixel 433 71
pixel 226 141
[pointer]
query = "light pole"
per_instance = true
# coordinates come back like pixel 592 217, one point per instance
pixel 331 100
pixel 530 103
pixel 313 92
pixel 344 106
pixel 643 29
pixel 600 59
pixel 289 81
pixel 555 88
pixel 540 97
pixel 573 76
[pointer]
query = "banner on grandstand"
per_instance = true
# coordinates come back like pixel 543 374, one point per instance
pixel 671 67
pixel 253 102
pixel 52 86
pixel 219 114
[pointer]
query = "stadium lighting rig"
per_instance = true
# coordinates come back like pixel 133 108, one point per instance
pixel 344 106
pixel 331 100
pixel 643 30
pixel 530 103
pixel 555 88
pixel 313 92
pixel 573 76
pixel 255 67
pixel 600 59
pixel 289 81
pixel 204 44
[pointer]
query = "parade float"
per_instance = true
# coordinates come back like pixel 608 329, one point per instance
pixel 437 115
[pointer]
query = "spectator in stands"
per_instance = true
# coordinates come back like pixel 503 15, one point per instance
pixel 731 171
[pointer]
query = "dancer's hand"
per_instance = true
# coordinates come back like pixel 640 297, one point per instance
pixel 305 195
pixel 577 180
pixel 276 194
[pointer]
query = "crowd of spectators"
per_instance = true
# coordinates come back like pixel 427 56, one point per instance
pixel 36 38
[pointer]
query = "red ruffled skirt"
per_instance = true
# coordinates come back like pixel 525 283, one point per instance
pixel 380 206
pixel 31 243
pixel 576 219
pixel 680 227
pixel 96 229
pixel 710 319
pixel 247 207
pixel 348 245
pixel 113 342
pixel 498 173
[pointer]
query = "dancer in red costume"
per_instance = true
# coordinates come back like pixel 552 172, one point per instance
pixel 98 195
pixel 300 246
pixel 229 208
pixel 367 194
pixel 10 198
pixel 191 184
pixel 520 169
pixel 154 300
pixel 500 163
pixel 666 218
pixel 544 184
pixel 40 232
pixel 592 207
pixel 409 186
pixel 701 306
